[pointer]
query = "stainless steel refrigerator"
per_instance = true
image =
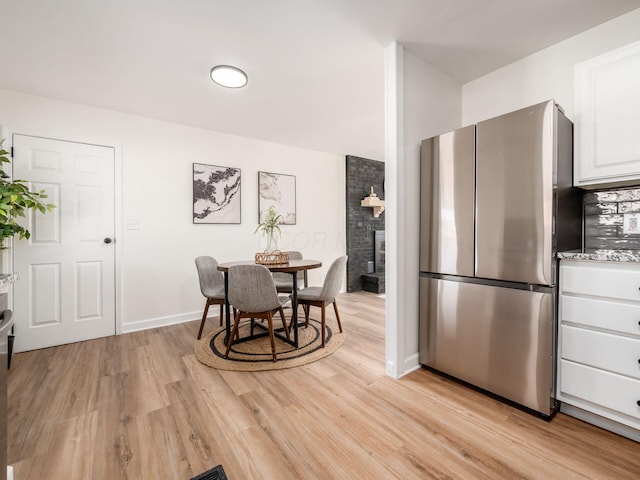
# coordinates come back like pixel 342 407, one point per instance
pixel 497 203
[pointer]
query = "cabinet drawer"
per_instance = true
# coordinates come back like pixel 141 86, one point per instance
pixel 602 350
pixel 603 280
pixel 605 314
pixel 606 389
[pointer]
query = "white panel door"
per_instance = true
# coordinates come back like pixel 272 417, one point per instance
pixel 66 291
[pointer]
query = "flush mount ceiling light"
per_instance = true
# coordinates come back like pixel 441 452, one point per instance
pixel 228 76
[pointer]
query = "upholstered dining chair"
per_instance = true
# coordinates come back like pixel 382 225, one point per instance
pixel 253 293
pixel 211 286
pixel 283 280
pixel 323 296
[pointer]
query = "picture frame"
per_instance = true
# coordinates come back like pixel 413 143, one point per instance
pixel 277 190
pixel 216 194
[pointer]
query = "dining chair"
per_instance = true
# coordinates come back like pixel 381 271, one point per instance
pixel 283 280
pixel 253 293
pixel 211 286
pixel 322 296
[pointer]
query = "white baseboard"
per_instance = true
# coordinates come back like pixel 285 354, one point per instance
pixel 411 363
pixel 9 472
pixel 162 321
pixel 601 422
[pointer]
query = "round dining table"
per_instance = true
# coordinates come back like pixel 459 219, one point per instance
pixel 292 267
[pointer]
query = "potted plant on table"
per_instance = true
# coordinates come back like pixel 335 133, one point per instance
pixel 271 230
pixel 15 199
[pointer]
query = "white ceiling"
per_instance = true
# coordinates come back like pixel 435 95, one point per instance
pixel 316 67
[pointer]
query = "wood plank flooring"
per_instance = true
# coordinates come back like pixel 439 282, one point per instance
pixel 140 406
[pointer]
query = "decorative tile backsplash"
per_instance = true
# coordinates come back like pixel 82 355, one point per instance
pixel 604 217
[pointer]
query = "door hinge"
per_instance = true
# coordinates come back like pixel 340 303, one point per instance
pixel 12 152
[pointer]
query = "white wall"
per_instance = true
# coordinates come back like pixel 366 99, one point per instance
pixel 429 103
pixel 432 105
pixel 546 74
pixel 158 277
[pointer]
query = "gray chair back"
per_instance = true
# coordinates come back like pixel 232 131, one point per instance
pixel 251 289
pixel 211 279
pixel 333 280
pixel 294 255
pixel 287 277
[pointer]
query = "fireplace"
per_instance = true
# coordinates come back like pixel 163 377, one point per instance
pixel 378 251
pixel 374 282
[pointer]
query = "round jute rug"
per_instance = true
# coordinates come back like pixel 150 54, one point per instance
pixel 255 355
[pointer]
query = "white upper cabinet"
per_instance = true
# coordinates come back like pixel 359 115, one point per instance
pixel 607 119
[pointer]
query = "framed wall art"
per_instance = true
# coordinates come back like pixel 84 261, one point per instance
pixel 278 190
pixel 216 194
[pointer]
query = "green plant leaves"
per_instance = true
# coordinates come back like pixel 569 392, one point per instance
pixel 270 221
pixel 15 198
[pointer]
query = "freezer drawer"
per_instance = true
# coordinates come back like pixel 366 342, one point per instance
pixel 499 339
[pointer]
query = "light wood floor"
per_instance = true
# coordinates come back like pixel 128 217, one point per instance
pixel 140 406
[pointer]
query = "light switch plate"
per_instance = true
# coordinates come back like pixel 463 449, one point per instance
pixel 133 224
pixel 631 224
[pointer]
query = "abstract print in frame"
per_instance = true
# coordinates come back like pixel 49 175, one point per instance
pixel 216 194
pixel 278 190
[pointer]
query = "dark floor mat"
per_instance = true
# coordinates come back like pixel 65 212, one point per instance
pixel 216 473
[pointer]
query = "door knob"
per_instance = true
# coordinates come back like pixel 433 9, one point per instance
pixel 107 240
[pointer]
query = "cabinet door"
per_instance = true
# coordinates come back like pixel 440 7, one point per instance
pixel 607 117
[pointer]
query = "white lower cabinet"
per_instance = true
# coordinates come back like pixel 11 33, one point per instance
pixel 613 396
pixel 599 343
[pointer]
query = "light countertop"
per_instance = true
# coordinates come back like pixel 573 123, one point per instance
pixel 8 278
pixel 602 255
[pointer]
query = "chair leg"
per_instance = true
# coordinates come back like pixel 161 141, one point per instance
pixel 238 330
pixel 236 312
pixel 306 309
pixel 271 336
pixel 284 323
pixel 221 312
pixel 323 324
pixel 236 321
pixel 204 317
pixel 335 309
